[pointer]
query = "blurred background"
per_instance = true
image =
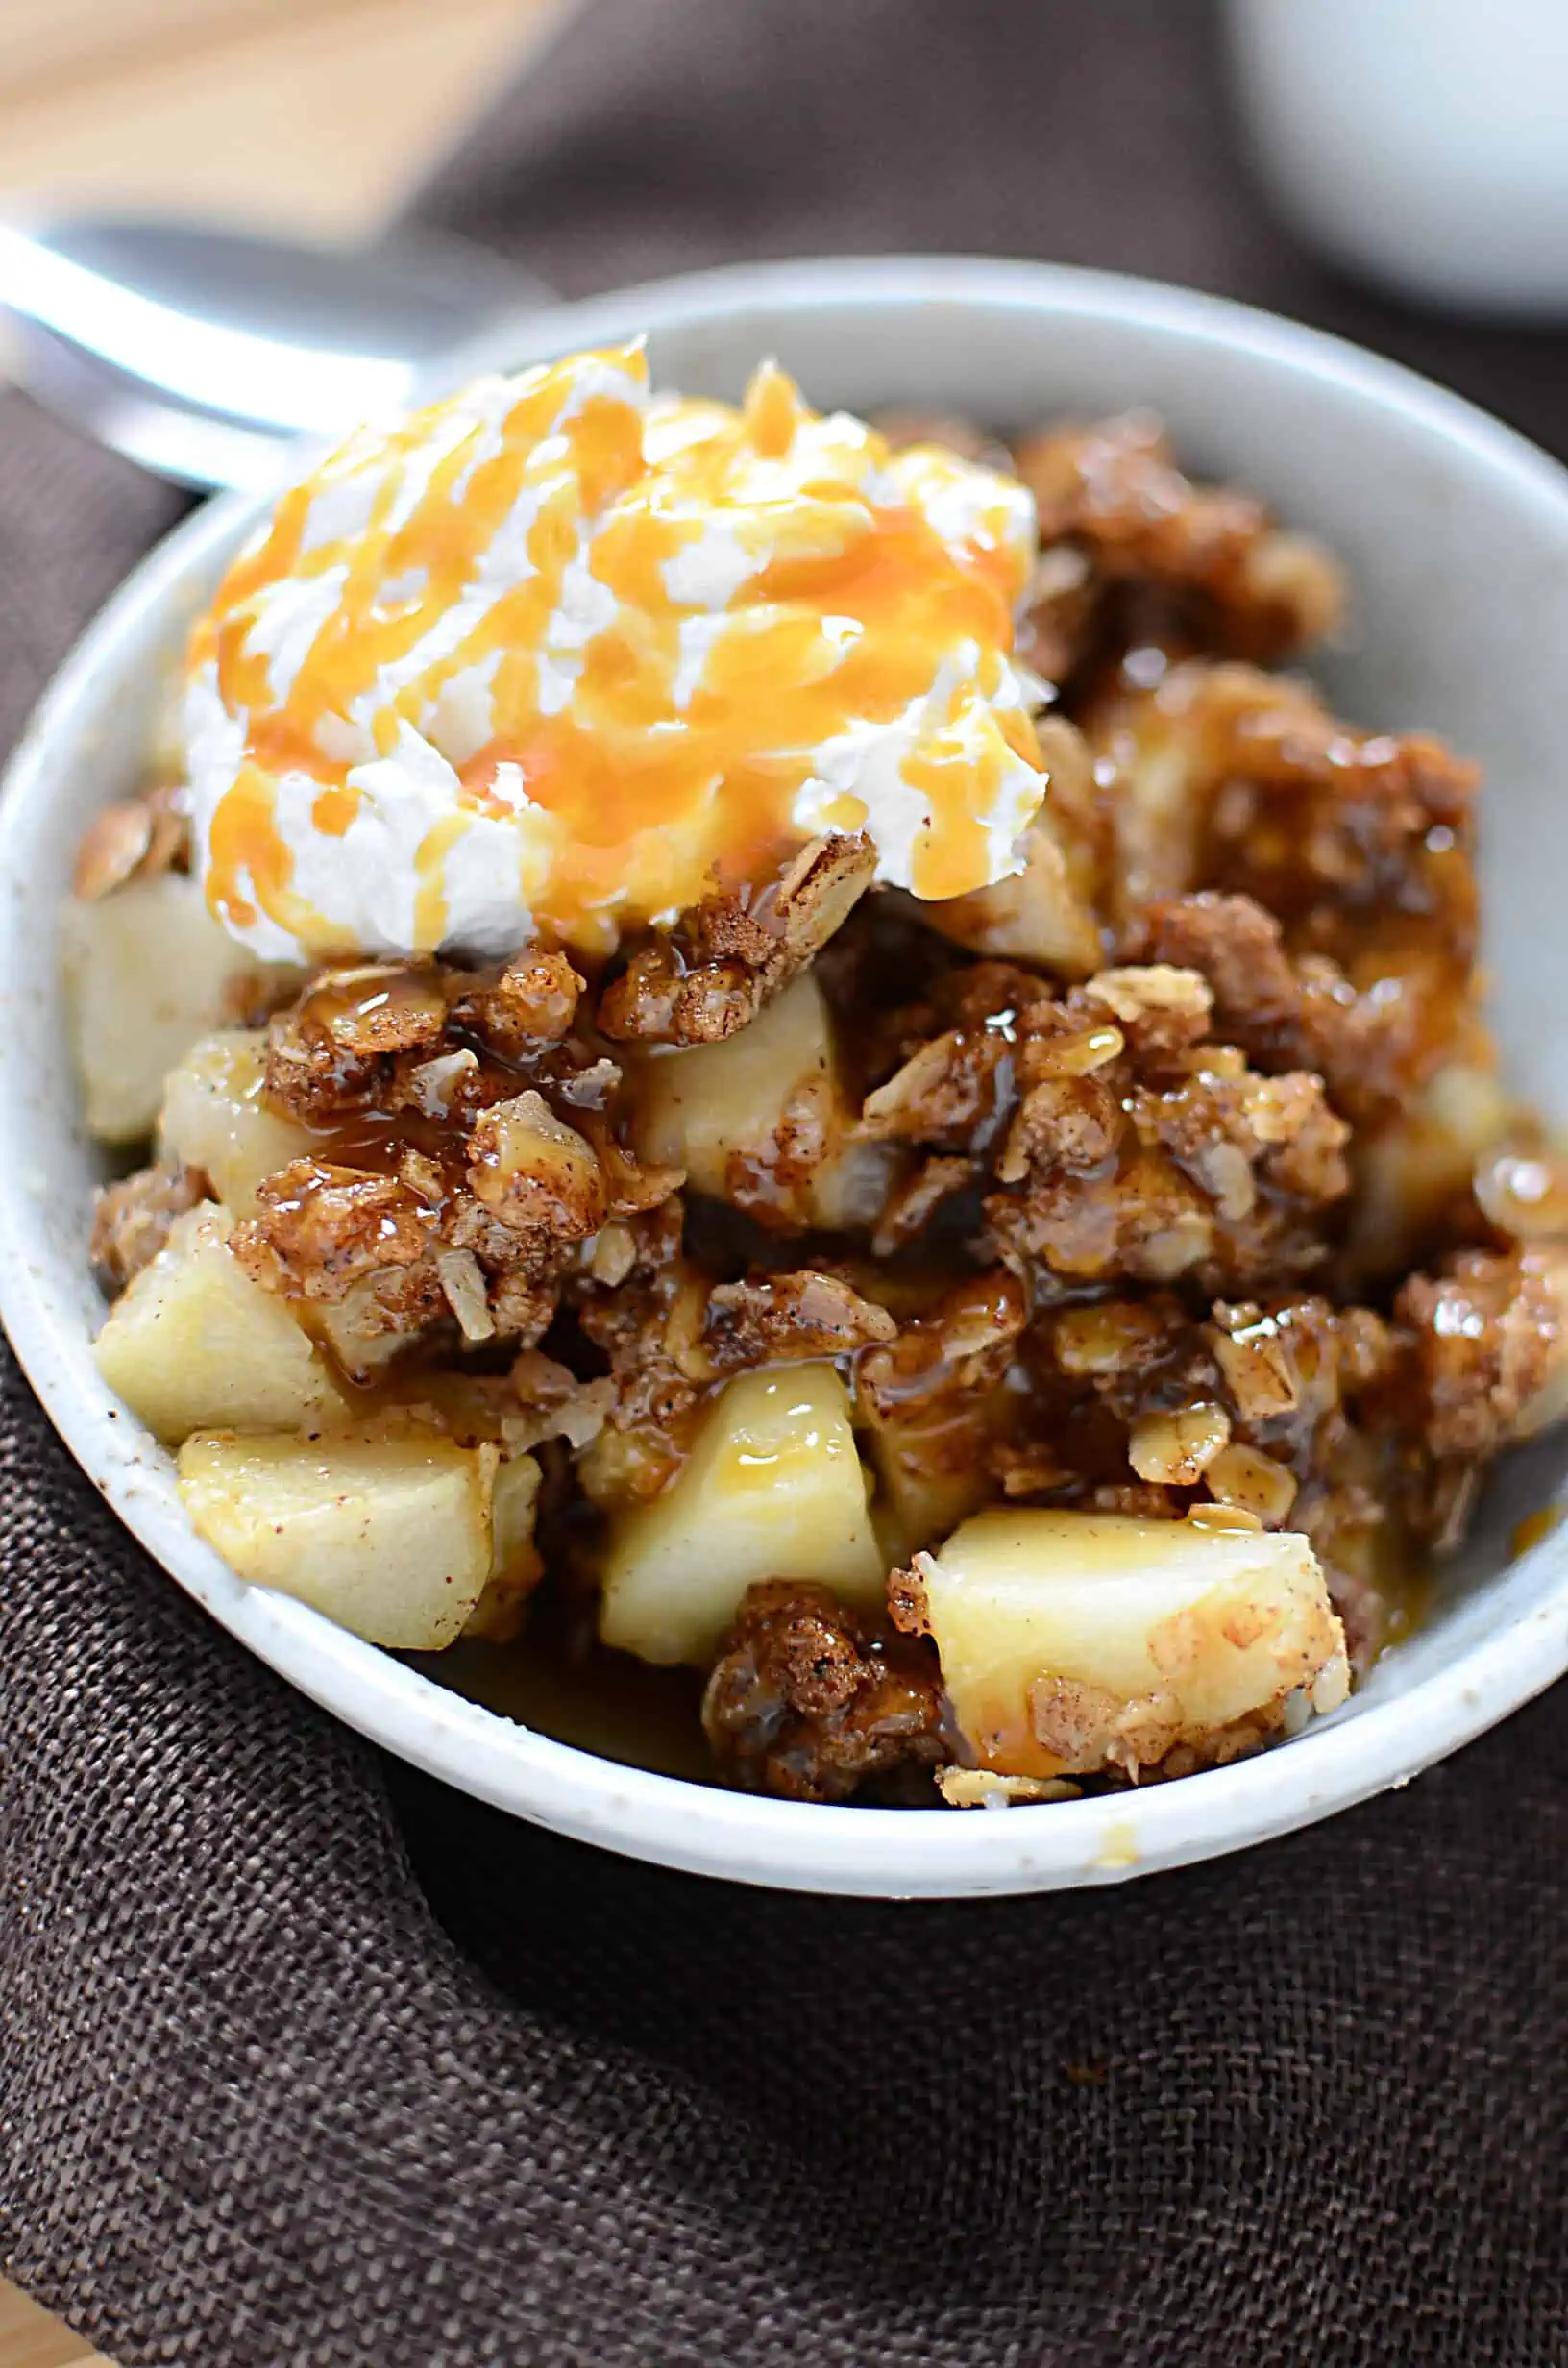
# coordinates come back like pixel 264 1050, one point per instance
pixel 192 104
pixel 1394 169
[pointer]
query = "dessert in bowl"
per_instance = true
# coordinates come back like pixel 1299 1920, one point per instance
pixel 799 1103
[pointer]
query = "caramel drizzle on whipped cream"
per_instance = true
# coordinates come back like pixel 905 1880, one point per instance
pixel 551 567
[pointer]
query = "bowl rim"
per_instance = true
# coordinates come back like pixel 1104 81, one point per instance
pixel 670 1820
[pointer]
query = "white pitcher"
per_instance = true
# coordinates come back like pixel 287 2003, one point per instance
pixel 1423 143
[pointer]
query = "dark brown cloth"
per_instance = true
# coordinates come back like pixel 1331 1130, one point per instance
pixel 309 2064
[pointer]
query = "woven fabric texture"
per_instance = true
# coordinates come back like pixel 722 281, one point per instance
pixel 305 2063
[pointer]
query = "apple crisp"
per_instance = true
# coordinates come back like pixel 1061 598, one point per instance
pixel 996 1343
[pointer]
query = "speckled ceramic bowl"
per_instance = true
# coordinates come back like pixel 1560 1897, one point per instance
pixel 1455 537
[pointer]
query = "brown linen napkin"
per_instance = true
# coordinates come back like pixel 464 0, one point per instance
pixel 307 2063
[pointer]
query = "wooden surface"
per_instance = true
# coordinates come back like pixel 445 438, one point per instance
pixel 316 115
pixel 29 2338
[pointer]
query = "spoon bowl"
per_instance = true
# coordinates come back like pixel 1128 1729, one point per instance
pixel 204 354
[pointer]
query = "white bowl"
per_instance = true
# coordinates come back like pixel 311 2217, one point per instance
pixel 1456 536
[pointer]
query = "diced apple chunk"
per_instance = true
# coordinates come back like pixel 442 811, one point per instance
pixel 515 1568
pixel 194 1343
pixel 388 1536
pixel 700 1108
pixel 516 1497
pixel 1418 1162
pixel 772 1489
pixel 1549 1404
pixel 356 1331
pixel 732 1108
pixel 929 1476
pixel 148 971
pixel 1073 1643
pixel 214 1118
pixel 848 1192
pixel 913 1502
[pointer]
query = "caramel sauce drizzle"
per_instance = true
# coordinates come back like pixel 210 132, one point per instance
pixel 655 789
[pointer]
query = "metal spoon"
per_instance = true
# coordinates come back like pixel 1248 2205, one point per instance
pixel 205 353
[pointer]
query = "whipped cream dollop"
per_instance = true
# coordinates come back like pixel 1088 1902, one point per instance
pixel 557 658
